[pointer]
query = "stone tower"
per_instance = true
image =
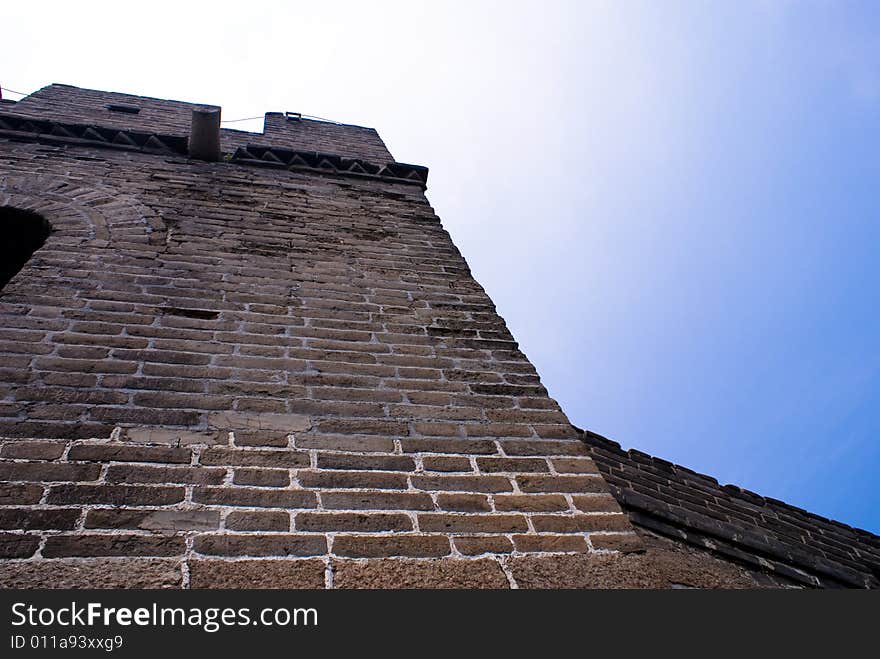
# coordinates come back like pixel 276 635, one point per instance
pixel 274 369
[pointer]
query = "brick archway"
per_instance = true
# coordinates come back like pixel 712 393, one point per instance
pixel 81 213
pixel 61 313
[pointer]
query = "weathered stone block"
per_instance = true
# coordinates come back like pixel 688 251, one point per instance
pixel 284 574
pixel 397 573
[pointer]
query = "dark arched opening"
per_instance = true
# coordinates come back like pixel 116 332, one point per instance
pixel 21 234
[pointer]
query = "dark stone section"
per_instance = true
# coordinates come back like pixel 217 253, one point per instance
pixel 664 565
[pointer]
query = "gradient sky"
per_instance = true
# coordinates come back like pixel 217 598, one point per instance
pixel 675 205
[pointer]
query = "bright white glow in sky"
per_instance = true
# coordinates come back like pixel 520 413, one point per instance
pixel 674 205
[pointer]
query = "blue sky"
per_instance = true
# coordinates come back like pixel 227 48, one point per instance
pixel 674 205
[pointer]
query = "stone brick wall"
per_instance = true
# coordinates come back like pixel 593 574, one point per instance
pixel 221 375
pixel 777 543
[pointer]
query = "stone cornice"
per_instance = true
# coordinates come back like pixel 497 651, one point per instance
pixel 265 156
pixel 55 132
